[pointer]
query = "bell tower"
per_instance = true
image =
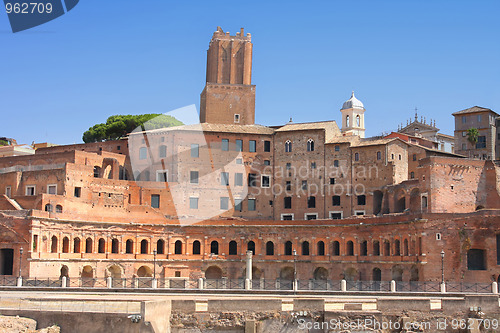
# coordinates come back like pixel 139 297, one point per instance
pixel 229 96
pixel 353 117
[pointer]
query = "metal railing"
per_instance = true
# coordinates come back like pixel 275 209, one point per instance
pixel 256 284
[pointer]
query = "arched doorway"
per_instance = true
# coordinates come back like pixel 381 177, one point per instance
pixel 144 271
pixel 320 273
pixel 377 202
pixel 64 272
pixel 87 272
pixel 399 201
pixel 397 273
pixel 286 273
pixel 114 271
pixel 213 273
pixel 351 274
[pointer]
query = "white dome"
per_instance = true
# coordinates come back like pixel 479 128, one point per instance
pixel 353 103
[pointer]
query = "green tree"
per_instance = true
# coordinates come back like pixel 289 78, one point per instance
pixel 119 126
pixel 472 136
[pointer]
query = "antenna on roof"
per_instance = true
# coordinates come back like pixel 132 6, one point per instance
pixel 416 115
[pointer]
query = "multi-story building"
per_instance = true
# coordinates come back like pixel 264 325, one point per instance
pixel 485 121
pixel 190 201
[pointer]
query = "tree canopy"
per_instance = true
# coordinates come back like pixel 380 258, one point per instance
pixel 472 136
pixel 119 126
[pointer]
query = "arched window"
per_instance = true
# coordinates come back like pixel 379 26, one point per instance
pixel 347 123
pixel 65 248
pixel 163 151
pixel 270 248
pixel 160 246
pixel 321 248
pixel 144 246
pixel 178 247
pixel 336 248
pixel 53 246
pixel 196 247
pixel 114 245
pixel 88 245
pixel 214 247
pixel 288 248
pixel 405 247
pixel 76 245
pixel 376 248
pixel 356 156
pixel 397 248
pixel 305 248
pixel 129 246
pixel 350 248
pixel 412 175
pixel 363 248
pixel 233 248
pixel 48 208
pixel 387 248
pixel 58 209
pixel 379 155
pixel 102 246
pixel 288 146
pixel 251 247
pixel 310 145
pixel 358 121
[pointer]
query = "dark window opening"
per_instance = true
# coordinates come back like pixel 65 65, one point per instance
pixel 233 248
pixel 476 260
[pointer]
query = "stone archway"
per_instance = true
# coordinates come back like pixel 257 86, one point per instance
pixel 399 201
pixel 351 274
pixel 87 272
pixel 213 273
pixel 397 273
pixel 320 273
pixel 287 273
pixel 144 271
pixel 64 271
pixel 415 200
pixel 114 271
pixel 378 196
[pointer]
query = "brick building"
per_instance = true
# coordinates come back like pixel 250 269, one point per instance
pixel 203 195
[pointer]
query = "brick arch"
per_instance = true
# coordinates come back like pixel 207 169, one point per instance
pixel 415 200
pixel 400 200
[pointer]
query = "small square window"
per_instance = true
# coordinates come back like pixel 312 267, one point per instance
pixel 78 192
pixel 267 162
pixel 332 181
pixel 311 202
pixel 313 165
pixel 337 148
pixel 193 203
pixel 304 184
pixel 288 186
pixel 336 200
pixel 267 146
pixel 288 166
pixel 239 161
pixel 30 190
pixel 361 200
pixel 52 189
pixel 288 202
pixel 237 118
pixel 252 179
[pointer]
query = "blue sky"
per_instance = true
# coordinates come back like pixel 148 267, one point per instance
pixel 130 57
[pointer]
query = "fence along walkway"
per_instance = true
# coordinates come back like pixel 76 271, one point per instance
pixel 258 284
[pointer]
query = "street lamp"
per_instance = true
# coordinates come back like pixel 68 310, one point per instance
pixel 154 263
pixel 442 266
pixel 20 260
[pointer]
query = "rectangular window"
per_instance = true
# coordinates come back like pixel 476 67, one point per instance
pixel 336 215
pixel 239 145
pixel 195 150
pixel 288 185
pixel 252 146
pixel 155 200
pixel 424 202
pixel 304 184
pixel 224 178
pixel 361 200
pixel 193 177
pixel 288 166
pixel 30 190
pixel 225 145
pixel 464 146
pixel 464 134
pixel 224 203
pixel 379 155
pixel 336 200
pixel 481 142
pixel 287 217
pixel 332 181
pixel 336 163
pixel 464 119
pixel 238 205
pixel 476 260
pixel 479 118
pixel 52 189
pixel 143 153
pixel 236 118
pixel 78 192
pixel 251 205
pixel 193 203
pixel 8 191
pixel 239 161
pixel 162 176
pixel 313 165
pixel 498 249
pixel 311 202
pixel 265 182
pixel 337 148
pixel 252 179
pixel 238 179
pixel 288 202
pixel 267 162
pixel 267 146
pixel 311 216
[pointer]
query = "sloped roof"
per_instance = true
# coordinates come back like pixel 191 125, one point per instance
pixel 331 128
pixel 376 142
pixel 473 109
pixel 209 127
